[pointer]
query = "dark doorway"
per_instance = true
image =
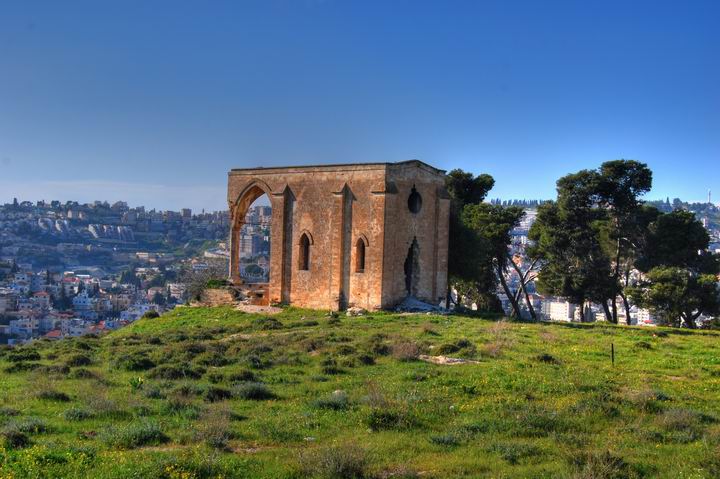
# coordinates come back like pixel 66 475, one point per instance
pixel 412 268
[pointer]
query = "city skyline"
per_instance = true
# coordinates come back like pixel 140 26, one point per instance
pixel 154 104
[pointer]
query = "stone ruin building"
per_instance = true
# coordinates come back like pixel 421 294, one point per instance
pixel 359 235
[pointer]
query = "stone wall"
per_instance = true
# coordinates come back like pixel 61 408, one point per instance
pixel 336 207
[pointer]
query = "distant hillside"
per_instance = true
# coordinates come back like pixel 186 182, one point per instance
pixel 202 393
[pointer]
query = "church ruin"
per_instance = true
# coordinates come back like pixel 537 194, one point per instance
pixel 365 235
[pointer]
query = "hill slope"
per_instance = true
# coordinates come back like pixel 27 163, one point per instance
pixel 219 393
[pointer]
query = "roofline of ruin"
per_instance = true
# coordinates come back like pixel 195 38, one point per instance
pixel 336 167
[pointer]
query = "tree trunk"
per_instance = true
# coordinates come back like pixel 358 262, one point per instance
pixel 608 314
pixel 523 284
pixel 511 297
pixel 614 310
pixel 626 303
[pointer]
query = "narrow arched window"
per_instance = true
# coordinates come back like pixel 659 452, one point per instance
pixel 304 263
pixel 360 256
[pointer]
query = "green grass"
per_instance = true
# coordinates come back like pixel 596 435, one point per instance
pixel 201 393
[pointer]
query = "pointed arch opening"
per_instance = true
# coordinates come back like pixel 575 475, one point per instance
pixel 360 254
pixel 251 235
pixel 304 252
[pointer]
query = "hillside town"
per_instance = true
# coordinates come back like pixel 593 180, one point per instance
pixel 72 269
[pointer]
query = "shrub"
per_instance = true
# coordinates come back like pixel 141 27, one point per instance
pixel 429 329
pixel 389 417
pixel 406 351
pixel 14 439
pixel 365 359
pixel 603 465
pixel 253 391
pixel 174 372
pixel 154 393
pixel 547 358
pixel 134 435
pixel 214 430
pixel 22 366
pixel 8 412
pixel 137 361
pixel 329 366
pixel 76 414
pixel 377 346
pixel 337 401
pixel 23 354
pixel 30 425
pixel 682 425
pixel 151 315
pixel 213 359
pixel 78 360
pixel 268 323
pixel 346 461
pixel 215 394
pixel 52 395
pixel 463 345
pixel 242 376
pixel 514 453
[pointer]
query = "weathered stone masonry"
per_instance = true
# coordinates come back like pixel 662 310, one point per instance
pixel 362 235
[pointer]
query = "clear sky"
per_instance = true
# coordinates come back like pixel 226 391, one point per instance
pixel 153 101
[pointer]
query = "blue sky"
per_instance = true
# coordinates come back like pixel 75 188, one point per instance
pixel 153 102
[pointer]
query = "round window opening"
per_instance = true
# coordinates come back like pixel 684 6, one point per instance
pixel 414 201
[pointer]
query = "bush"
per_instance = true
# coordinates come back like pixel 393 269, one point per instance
pixel 174 372
pixel 242 376
pixel 253 391
pixel 604 465
pixel 214 430
pixel 444 440
pixel 151 315
pixel 30 425
pixel 8 412
pixel 135 435
pixel 23 354
pixel 14 439
pixel 22 366
pixel 52 395
pixel 390 417
pixel 76 414
pixel 514 453
pixel 268 323
pixel 406 351
pixel 547 358
pixel 78 360
pixel 365 359
pixel 347 461
pixel 137 361
pixel 337 401
pixel 215 394
pixel 329 366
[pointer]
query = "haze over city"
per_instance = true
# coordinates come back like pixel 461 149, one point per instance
pixel 153 103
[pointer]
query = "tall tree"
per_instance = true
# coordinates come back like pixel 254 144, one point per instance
pixel 566 242
pixel 493 224
pixel 680 281
pixel 620 184
pixel 469 257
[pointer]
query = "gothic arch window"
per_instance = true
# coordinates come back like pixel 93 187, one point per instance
pixel 414 201
pixel 304 256
pixel 360 256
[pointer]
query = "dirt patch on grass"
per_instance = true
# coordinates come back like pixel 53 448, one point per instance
pixel 255 309
pixel 445 360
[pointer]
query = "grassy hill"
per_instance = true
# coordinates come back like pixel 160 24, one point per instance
pixel 218 393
